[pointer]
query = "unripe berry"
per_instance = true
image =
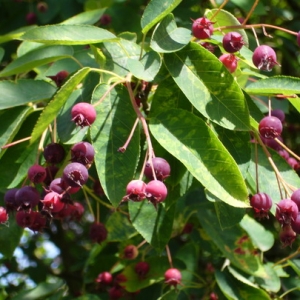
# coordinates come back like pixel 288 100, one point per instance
pixel 264 58
pixel 232 42
pixel 161 168
pixel 173 277
pixel 261 203
pixel 83 114
pixel 230 61
pixel 270 127
pixel 202 28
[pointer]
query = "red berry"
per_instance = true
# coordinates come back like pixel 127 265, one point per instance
pixel 141 269
pixel 287 235
pixel 38 223
pixel 161 168
pixel 173 277
pixel 156 191
pixel 264 58
pixel 296 224
pixel 52 202
pixel 36 174
pixel 3 215
pixel 230 61
pixel 31 18
pixel 83 114
pixel 261 203
pixel 25 218
pixel 270 127
pixel 54 153
pixel 210 47
pixel 105 278
pixel 130 252
pixel 135 191
pixel 75 174
pixel 105 19
pixel 98 232
pixel 60 77
pixel 115 293
pixel 232 42
pixel 286 211
pixel 202 28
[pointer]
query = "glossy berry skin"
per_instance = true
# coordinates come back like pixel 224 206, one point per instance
pixel 173 277
pixel 54 153
pixel 98 232
pixel 3 215
pixel 83 152
pixel 296 197
pixel 130 252
pixel 278 113
pixel 141 269
pixel 287 235
pixel 202 28
pixel 161 168
pixel 52 202
pixel 75 174
pixel 286 211
pixel 36 174
pixel 135 191
pixel 261 204
pixel 230 61
pixel 27 197
pixel 270 127
pixel 104 278
pixel 83 114
pixel 264 58
pixel 296 224
pixel 156 192
pixel 9 199
pixel 232 42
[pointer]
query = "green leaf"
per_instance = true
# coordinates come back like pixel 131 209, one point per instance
pixel 115 120
pixel 167 37
pixel 87 17
pixel 24 91
pixel 67 34
pixel 236 290
pixel 15 34
pixel 155 11
pixel 196 71
pixel 155 226
pixel 271 86
pixel 12 120
pixel 225 18
pixel 2 52
pixel 10 235
pixel 272 283
pixel 192 142
pixel 35 58
pixel 51 110
pixel 261 237
pixel 146 68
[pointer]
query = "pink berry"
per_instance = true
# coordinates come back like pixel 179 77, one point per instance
pixel 161 168
pixel 261 203
pixel 75 174
pixel 264 58
pixel 3 215
pixel 104 278
pixel 52 202
pixel 173 277
pixel 232 42
pixel 202 28
pixel 36 174
pixel 156 192
pixel 135 191
pixel 230 61
pixel 286 211
pixel 98 232
pixel 270 127
pixel 83 114
pixel 296 224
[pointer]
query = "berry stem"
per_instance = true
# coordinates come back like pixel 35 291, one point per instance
pixel 16 142
pixel 169 256
pixel 250 12
pixel 144 165
pixel 89 204
pixel 221 6
pixel 288 257
pixel 141 244
pixel 287 149
pixel 107 72
pixel 256 168
pixel 124 147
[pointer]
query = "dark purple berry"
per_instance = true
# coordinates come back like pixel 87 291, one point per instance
pixel 83 114
pixel 38 222
pixel 130 252
pixel 270 127
pixel 98 232
pixel 156 192
pixel 115 293
pixel 286 211
pixel 202 28
pixel 9 200
pixel 161 168
pixel 83 152
pixel 230 61
pixel 141 269
pixel 287 235
pixel 173 277
pixel 31 18
pixel 104 278
pixel 261 204
pixel 264 58
pixel 60 77
pixel 272 143
pixel 25 218
pixel 51 172
pixel 135 191
pixel 36 174
pixel 232 42
pixel 105 20
pixel 54 153
pixel 27 197
pixel 278 113
pixel 210 47
pixel 3 215
pixel 75 174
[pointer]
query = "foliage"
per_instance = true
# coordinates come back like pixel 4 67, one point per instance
pixel 157 92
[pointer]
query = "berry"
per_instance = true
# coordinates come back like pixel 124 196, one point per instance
pixel 98 232
pixel 115 293
pixel 52 202
pixel 261 203
pixel 135 191
pixel 83 153
pixel 141 269
pixel 287 235
pixel 42 6
pixel 210 47
pixel 54 153
pixel 24 218
pixel 27 197
pixel 202 28
pixel 31 18
pixel 3 215
pixel 36 174
pixel 60 77
pixel 292 162
pixel 75 174
pixel 105 278
pixel 278 113
pixel 9 199
pixel 83 114
pixel 59 186
pixel 105 19
pixel 296 224
pixel 156 192
pixel 161 168
pixel 286 211
pixel 230 61
pixel 270 127
pixel 173 277
pixel 130 252
pixel 296 197
pixel 272 143
pixel 38 222
pixel 51 172
pixel 264 58
pixel 97 188
pixel 232 42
